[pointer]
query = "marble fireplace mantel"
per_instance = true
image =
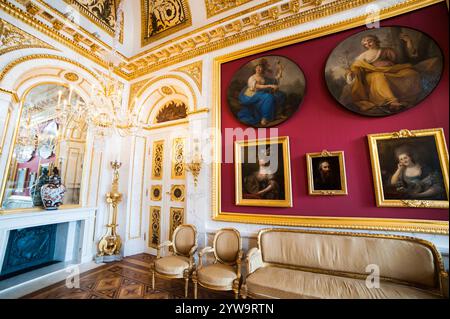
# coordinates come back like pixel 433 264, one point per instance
pixel 79 237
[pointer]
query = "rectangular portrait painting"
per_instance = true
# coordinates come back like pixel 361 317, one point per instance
pixel 410 168
pixel 326 173
pixel 263 174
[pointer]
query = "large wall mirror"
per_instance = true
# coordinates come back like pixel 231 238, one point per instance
pixel 47 136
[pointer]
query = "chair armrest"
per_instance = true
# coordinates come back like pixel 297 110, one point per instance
pixel 206 250
pixel 191 255
pixel 254 260
pixel 239 263
pixel 160 246
pixel 443 278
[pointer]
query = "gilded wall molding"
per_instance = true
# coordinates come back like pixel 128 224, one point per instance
pixel 215 7
pixel 176 219
pixel 16 62
pixel 158 160
pixel 12 38
pixel 154 232
pixel 194 71
pixel 178 169
pixel 139 88
pixel 15 97
pixel 168 17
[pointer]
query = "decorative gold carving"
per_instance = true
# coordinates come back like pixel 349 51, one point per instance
pixel 171 111
pixel 214 7
pixel 195 164
pixel 72 77
pixel 194 70
pixel 12 93
pixel 111 243
pixel 163 18
pixel 178 171
pixel 403 134
pixel 32 8
pixel 177 193
pixel 154 58
pixel 154 233
pixel 418 203
pixel 10 66
pixel 158 160
pixel 156 193
pixel 176 219
pixel 102 13
pixel 166 90
pixel 13 38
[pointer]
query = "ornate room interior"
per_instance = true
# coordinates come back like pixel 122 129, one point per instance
pixel 167 149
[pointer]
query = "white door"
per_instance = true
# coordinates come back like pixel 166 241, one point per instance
pixel 165 195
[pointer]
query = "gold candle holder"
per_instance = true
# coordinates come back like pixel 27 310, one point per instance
pixel 110 244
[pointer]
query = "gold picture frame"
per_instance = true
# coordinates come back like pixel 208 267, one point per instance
pixel 410 168
pixel 250 194
pixel 322 169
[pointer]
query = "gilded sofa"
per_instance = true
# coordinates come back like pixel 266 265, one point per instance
pixel 310 264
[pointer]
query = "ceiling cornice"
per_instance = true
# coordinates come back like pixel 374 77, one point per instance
pixel 236 28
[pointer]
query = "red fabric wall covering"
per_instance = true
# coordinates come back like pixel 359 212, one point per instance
pixel 322 123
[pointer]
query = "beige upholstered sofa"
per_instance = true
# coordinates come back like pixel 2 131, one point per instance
pixel 309 264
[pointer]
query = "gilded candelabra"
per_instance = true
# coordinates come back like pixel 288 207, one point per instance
pixel 109 246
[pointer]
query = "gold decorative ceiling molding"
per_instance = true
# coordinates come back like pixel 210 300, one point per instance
pixel 13 38
pixel 229 31
pixel 101 12
pixel 24 59
pixel 194 71
pixel 163 18
pixel 215 7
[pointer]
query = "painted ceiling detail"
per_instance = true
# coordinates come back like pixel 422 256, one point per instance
pixel 161 18
pixel 102 12
pixel 214 7
pixel 13 38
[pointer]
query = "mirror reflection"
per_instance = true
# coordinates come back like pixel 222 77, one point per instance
pixel 47 138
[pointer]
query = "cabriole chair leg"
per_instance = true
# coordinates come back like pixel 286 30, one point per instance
pixel 153 280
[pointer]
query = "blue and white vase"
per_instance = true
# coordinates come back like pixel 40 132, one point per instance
pixel 53 193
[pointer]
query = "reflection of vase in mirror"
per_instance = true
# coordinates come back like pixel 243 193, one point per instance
pixel 36 189
pixel 39 144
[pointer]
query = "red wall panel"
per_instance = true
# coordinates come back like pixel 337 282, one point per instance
pixel 322 123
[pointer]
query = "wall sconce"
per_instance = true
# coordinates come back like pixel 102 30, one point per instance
pixel 195 165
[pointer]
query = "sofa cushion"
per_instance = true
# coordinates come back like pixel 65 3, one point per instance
pixel 399 258
pixel 274 282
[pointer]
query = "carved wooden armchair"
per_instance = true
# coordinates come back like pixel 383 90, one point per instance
pixel 181 263
pixel 225 273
